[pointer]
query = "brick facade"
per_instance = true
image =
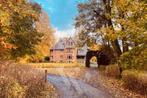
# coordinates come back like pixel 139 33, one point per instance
pixel 65 50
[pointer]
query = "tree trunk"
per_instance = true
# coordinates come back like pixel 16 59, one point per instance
pixel 116 47
pixel 125 45
pixel 115 43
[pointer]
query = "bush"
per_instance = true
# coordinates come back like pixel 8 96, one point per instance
pixel 102 68
pixel 112 71
pixel 134 80
pixel 134 59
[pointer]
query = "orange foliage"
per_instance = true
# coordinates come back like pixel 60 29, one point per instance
pixel 5 45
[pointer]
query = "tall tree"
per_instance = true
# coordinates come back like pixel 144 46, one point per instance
pixel 117 21
pixel 107 16
pixel 47 40
pixel 131 18
pixel 17 20
pixel 94 15
pixel 110 20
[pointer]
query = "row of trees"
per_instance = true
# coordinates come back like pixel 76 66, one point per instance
pixel 21 30
pixel 121 24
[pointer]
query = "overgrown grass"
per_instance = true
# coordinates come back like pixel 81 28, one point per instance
pixel 112 71
pixel 131 79
pixel 135 81
pixel 21 81
pixel 51 65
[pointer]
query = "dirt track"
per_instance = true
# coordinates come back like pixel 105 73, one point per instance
pixel 74 88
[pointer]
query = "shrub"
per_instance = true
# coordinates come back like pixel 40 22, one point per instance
pixel 134 80
pixel 112 71
pixel 102 68
pixel 134 59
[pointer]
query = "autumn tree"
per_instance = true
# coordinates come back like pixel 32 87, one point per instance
pixel 122 23
pixel 93 15
pixel 17 18
pixel 47 40
pixel 131 18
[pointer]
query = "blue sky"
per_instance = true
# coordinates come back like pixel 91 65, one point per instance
pixel 61 14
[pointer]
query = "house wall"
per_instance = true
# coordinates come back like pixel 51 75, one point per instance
pixel 65 50
pixel 70 55
pixel 57 56
pixel 81 61
pixel 66 55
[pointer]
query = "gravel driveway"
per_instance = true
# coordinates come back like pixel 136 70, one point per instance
pixel 73 88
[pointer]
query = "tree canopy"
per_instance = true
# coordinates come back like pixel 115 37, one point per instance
pixel 18 33
pixel 47 40
pixel 121 24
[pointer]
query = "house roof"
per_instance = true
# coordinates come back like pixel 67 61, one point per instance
pixel 59 45
pixel 63 43
pixel 82 51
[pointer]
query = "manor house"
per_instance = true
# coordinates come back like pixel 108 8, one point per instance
pixel 65 50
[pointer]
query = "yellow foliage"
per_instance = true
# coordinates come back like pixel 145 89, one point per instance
pixel 109 33
pixel 93 59
pixel 95 47
pixel 15 90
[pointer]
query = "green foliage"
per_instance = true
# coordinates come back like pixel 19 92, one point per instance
pixel 131 16
pixel 47 40
pixel 132 19
pixel 134 80
pixel 135 58
pixel 24 37
pixel 26 27
pixel 17 20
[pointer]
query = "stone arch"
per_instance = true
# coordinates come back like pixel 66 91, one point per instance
pixel 104 57
pixel 89 55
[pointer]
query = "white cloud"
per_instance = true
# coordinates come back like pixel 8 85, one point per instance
pixel 64 33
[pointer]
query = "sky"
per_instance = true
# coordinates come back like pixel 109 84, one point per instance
pixel 61 14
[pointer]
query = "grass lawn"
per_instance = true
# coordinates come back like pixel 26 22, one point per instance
pixel 51 65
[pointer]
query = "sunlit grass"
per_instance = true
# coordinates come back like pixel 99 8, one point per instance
pixel 51 65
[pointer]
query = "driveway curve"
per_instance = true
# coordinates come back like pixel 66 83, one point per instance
pixel 73 88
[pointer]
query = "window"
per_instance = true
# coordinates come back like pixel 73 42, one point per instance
pixel 69 50
pixel 70 43
pixel 69 57
pixel 51 57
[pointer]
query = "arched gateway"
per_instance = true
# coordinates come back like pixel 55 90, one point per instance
pixel 104 56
